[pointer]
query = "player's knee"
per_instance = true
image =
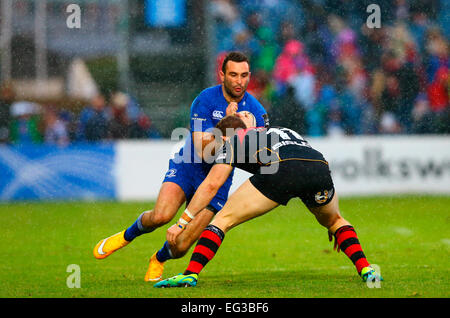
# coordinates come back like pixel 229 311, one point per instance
pixel 225 221
pixel 331 220
pixel 158 218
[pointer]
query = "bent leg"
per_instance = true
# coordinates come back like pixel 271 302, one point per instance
pixel 329 215
pixel 245 204
pixel 184 241
pixel 170 199
pixel 344 233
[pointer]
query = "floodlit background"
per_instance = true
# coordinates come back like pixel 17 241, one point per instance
pixel 316 66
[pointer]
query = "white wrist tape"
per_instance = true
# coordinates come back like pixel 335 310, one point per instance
pixel 188 213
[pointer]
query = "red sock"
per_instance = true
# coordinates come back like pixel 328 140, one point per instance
pixel 206 248
pixel 348 242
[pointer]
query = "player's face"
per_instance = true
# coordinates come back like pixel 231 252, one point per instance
pixel 235 79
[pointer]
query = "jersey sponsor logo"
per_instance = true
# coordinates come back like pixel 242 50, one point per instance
pixel 217 114
pixel 197 118
pixel 171 173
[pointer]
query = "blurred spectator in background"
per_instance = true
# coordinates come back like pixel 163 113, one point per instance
pixel 119 124
pixel 55 132
pixel 304 85
pixel 372 43
pixel 94 120
pixel 143 128
pixel 245 42
pixel 227 21
pixel 422 117
pixel 314 36
pixel 316 66
pixel 344 76
pixel 128 121
pixel 69 120
pixel 289 63
pixel 389 124
pixel 438 87
pixel 391 97
pixel 274 13
pixel 418 26
pixel 26 124
pixel 264 57
pixel 349 105
pixel 287 33
pixel 288 112
pixel 7 96
pixel 444 18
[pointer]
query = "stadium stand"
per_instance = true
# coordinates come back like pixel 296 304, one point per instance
pixel 337 75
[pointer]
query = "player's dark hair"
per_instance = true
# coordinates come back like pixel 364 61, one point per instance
pixel 234 57
pixel 230 122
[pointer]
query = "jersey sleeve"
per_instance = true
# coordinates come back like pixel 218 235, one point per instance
pixel 200 115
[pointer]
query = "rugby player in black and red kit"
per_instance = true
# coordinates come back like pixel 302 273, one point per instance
pixel 284 166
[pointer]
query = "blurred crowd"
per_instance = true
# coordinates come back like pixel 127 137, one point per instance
pixel 318 68
pixel 119 117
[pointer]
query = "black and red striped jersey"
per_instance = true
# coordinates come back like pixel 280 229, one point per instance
pixel 255 148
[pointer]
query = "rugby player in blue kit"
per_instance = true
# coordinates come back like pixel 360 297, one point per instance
pixel 188 168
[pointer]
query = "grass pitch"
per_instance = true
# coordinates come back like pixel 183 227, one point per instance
pixel 283 254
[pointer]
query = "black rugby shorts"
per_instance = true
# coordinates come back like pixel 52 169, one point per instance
pixel 309 180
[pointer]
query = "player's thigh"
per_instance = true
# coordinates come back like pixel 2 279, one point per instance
pixel 244 204
pixel 169 201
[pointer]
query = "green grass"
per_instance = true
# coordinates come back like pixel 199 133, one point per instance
pixel 284 253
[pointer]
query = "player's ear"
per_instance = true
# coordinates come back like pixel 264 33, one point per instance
pixel 222 75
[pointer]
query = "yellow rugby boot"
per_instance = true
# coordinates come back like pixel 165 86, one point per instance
pixel 109 245
pixel 155 270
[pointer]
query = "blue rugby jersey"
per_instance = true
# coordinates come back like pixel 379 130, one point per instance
pixel 206 111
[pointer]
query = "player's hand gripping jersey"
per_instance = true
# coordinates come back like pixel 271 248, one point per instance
pixel 283 163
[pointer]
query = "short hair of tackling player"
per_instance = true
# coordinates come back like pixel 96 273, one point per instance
pixel 232 122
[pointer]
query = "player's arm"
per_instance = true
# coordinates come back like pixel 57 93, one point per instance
pixel 202 197
pixel 202 138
